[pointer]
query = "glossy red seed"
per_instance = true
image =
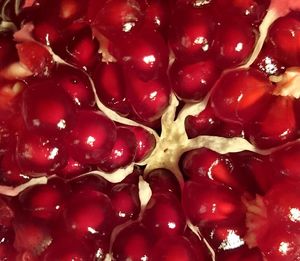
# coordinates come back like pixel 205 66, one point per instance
pixel 210 203
pixel 92 137
pixel 191 33
pixel 110 87
pixel 46 107
pixel 240 95
pixel 145 142
pixel 157 15
pixel 132 242
pixel 271 128
pixel 117 17
pixel 7 251
pixel 76 84
pixel 176 248
pixel 145 53
pixel 89 214
pixel 163 216
pixel 241 253
pixel 234 43
pixel 284 36
pixel 163 181
pixel 148 99
pixel 192 82
pixel 72 169
pixel 46 201
pixel 125 202
pixel 39 153
pixel 35 57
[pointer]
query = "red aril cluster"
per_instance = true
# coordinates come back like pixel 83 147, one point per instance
pixel 149 130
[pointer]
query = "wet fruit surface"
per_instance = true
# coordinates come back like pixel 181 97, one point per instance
pixel 149 130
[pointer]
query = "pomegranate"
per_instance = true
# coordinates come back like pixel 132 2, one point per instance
pixel 156 130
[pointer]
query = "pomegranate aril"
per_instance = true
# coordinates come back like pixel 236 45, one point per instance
pixel 252 11
pixel 205 123
pixel 191 33
pixel 32 236
pixel 240 95
pixel 163 216
pixel 46 201
pixel 192 82
pixel 6 213
pixel 208 203
pixel 144 52
pixel 38 153
pixel 163 181
pixel 47 107
pixel 283 36
pixel 117 17
pixel 89 215
pixel 125 202
pixel 271 128
pixel 7 251
pixel 145 142
pixel 286 161
pixel 149 99
pixel 176 248
pixel 109 84
pixel 132 243
pixel 234 43
pixel 66 248
pixel 47 32
pixel 73 169
pixel 92 137
pixel 157 15
pixel 11 174
pixel 35 57
pixel 123 151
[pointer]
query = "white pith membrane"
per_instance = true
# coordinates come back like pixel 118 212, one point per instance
pixel 173 140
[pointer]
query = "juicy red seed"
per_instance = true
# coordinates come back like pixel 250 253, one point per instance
pixel 240 95
pixel 211 203
pixel 7 251
pixel 145 52
pixel 82 50
pixel 35 57
pixel 157 15
pixel 132 243
pixel 204 123
pixel 204 163
pixel 271 128
pixel 67 248
pixel 174 249
pixel 148 99
pixel 163 181
pixel 251 11
pixel 44 201
pixel 89 215
pixel 76 84
pixel 47 107
pixel 192 82
pixel 234 43
pixel 46 32
pixel 32 236
pixel 92 137
pixel 11 173
pixel 38 153
pixel 116 17
pixel 285 160
pixel 163 216
pixel 268 62
pixel 6 213
pixel 123 152
pixel 191 36
pixel 73 169
pixel 280 244
pixel 125 202
pixel 109 84
pixel 282 204
pixel 145 142
pixel 284 37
